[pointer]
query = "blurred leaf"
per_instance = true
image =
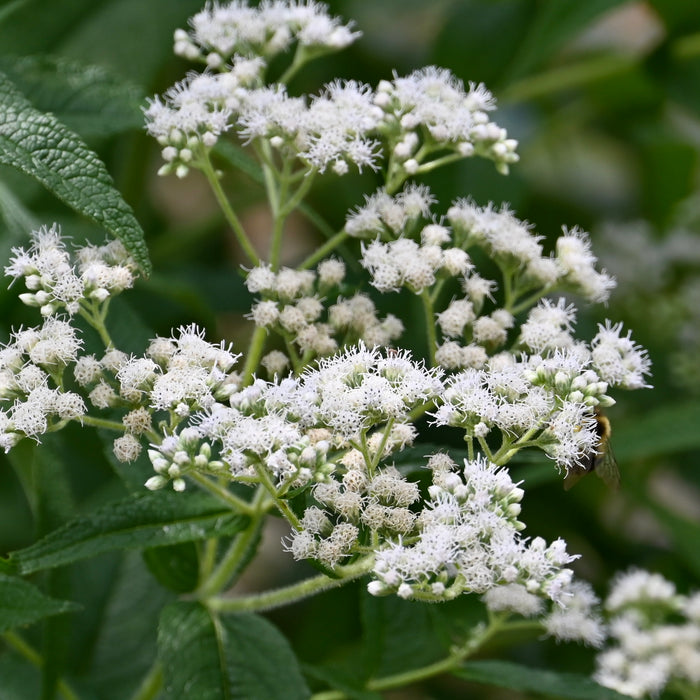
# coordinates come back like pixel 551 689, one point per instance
pixel 682 532
pixel 130 37
pixel 125 645
pixel 88 99
pixel 345 682
pixel 240 656
pixel 398 634
pixel 174 566
pixel 37 25
pixel 525 678
pixel 21 603
pixel 143 520
pixel 479 39
pixel 40 146
pixel 670 428
pixel 555 23
pixel 17 219
pixel 20 680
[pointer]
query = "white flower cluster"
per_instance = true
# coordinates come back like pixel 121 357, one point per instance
pixel 220 32
pixel 348 123
pixel 288 427
pixel 29 365
pixel 294 302
pixel 468 540
pixel 429 111
pixel 352 506
pixel 547 399
pixel 510 243
pixel 57 283
pixel 656 633
pixel 196 111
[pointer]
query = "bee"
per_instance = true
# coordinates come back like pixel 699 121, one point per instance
pixel 601 461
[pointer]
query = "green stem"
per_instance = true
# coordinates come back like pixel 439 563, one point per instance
pixel 96 422
pixel 300 58
pixel 430 325
pixel 439 162
pixel 219 579
pixel 256 347
pixel 222 493
pixel 151 685
pixel 322 251
pixel 281 504
pixel 276 186
pixel 226 208
pixel 295 592
pixel 28 652
pixel 528 301
pixel 95 316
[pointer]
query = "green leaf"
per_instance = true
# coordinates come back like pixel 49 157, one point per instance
pixel 176 566
pixel 20 680
pixel 21 603
pixel 671 428
pixel 235 657
pixel 145 520
pixel 43 148
pixel 398 634
pixel 555 23
pixel 344 681
pixel 86 98
pixel 525 678
pixel 125 644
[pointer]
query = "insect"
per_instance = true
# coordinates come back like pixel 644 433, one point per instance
pixel 601 461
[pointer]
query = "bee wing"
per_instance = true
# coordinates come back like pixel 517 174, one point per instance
pixel 605 466
pixel 575 474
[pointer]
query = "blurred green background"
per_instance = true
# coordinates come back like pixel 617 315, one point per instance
pixel 604 97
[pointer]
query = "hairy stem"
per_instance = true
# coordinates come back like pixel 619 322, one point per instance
pixel 295 592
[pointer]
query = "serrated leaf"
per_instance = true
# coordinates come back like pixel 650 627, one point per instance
pixel 505 674
pixel 237 657
pixel 21 603
pixel 40 146
pixel 145 520
pixel 86 98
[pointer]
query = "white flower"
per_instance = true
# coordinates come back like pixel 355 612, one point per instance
pixel 617 359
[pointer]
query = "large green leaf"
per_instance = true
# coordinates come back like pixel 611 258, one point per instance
pixel 398 634
pixel 140 521
pixel 235 657
pixel 124 645
pixel 40 146
pixel 86 98
pixel 524 678
pixel 21 603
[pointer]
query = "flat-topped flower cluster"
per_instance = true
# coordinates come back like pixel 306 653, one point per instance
pixel 316 414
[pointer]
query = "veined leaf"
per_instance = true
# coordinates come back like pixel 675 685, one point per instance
pixel 236 657
pixel 146 520
pixel 21 603
pixel 505 674
pixel 40 146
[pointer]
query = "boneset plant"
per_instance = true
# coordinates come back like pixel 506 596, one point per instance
pixel 319 420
